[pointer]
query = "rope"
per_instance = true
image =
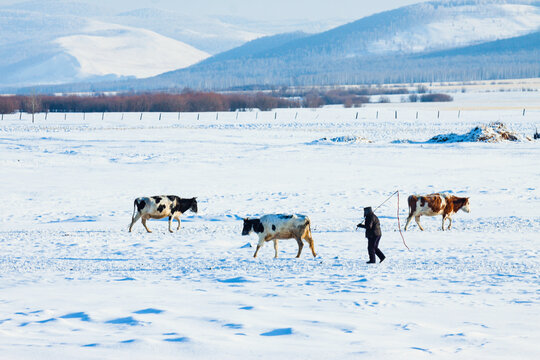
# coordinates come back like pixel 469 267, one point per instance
pixel 399 224
pixel 384 202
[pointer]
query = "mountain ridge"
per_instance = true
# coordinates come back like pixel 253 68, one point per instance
pixel 398 45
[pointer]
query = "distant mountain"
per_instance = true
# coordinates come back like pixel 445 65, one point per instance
pixel 65 41
pixel 211 35
pixel 433 41
pixel 38 48
pixel 525 43
pixel 256 47
pixel 343 54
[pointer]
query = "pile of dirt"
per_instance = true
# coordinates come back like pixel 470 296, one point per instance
pixel 347 139
pixel 493 133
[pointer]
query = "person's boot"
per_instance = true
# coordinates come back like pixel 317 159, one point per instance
pixel 382 259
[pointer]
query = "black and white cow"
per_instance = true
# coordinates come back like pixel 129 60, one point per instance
pixel 279 226
pixel 158 207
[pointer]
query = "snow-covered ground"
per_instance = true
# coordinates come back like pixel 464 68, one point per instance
pixel 75 284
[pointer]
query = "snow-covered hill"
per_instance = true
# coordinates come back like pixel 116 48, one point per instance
pixel 37 48
pixel 426 26
pixel 383 48
pixel 104 49
pixel 210 35
pixel 451 24
pixel 55 42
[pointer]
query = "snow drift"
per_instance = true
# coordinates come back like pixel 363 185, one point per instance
pixel 347 139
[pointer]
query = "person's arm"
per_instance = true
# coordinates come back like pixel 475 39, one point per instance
pixel 361 226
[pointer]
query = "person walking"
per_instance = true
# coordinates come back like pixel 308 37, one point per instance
pixel 373 234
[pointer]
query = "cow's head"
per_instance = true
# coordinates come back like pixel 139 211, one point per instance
pixel 466 206
pixel 252 224
pixel 193 206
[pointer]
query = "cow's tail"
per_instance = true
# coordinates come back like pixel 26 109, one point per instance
pixel 135 205
pixel 411 201
pixel 308 228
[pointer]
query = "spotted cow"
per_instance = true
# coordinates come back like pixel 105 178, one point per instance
pixel 435 204
pixel 158 207
pixel 279 226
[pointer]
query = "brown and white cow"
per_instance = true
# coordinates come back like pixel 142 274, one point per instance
pixel 435 204
pixel 158 207
pixel 279 226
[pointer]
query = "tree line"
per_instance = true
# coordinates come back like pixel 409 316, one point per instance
pixel 188 101
pixel 191 101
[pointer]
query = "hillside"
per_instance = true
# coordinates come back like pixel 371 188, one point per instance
pixel 37 48
pixel 394 46
pixel 457 40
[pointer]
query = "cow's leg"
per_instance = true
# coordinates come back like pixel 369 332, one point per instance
pixel 449 222
pixel 144 224
pixel 134 219
pixel 178 219
pixel 312 247
pixel 417 219
pixel 443 219
pixel 300 246
pixel 276 248
pixel 259 245
pixel 408 221
pixel 170 222
pixel 309 239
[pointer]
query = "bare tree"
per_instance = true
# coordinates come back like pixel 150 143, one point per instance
pixel 7 105
pixel 32 105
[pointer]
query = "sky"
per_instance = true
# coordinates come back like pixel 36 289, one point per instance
pixel 259 9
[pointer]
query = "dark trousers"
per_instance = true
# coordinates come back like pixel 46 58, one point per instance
pixel 373 248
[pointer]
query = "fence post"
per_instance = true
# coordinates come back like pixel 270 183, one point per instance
pixel 178 116
pixel 122 116
pixel 102 115
pixel 256 115
pixel 275 115
pixel 65 116
pixel 160 116
pixel 20 115
pixel 296 116
pixel 396 115
pixel 417 115
pixel 357 115
pixel 523 112
pixel 46 113
pixel 140 118
pixel 377 117
pixel 438 114
pixel 83 116
pixel 198 115
pixel 459 114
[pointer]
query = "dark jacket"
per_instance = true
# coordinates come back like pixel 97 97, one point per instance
pixel 372 225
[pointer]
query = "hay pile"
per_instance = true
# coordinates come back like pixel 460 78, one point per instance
pixel 492 133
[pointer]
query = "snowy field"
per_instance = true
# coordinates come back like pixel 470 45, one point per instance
pixel 74 284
